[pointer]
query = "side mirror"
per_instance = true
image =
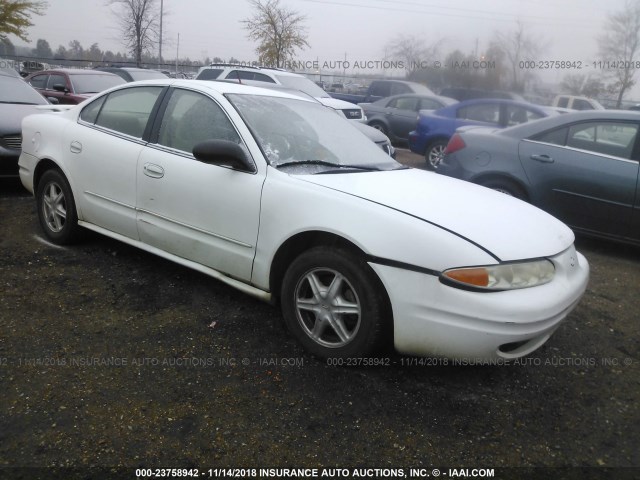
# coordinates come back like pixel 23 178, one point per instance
pixel 224 153
pixel 58 87
pixel 53 100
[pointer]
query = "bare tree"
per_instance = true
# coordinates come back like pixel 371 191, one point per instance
pixel 578 84
pixel 139 25
pixel 620 47
pixel 414 52
pixel 15 17
pixel 278 30
pixel 518 46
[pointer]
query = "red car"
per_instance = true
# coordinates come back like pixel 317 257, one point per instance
pixel 72 86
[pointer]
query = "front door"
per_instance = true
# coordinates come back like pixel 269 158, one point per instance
pixel 205 213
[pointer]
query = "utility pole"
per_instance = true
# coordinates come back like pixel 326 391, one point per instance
pixel 160 43
pixel 177 51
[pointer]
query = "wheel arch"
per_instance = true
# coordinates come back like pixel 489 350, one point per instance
pixel 43 166
pixel 378 121
pixel 303 241
pixel 439 138
pixel 502 177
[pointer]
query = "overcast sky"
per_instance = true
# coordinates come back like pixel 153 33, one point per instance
pixel 358 28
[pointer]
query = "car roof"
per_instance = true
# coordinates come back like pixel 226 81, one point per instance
pixel 445 99
pixel 71 71
pixel 129 69
pixel 500 101
pixel 215 86
pixel 531 128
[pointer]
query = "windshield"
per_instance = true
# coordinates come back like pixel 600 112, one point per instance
pixel 297 132
pixel 15 90
pixel 94 83
pixel 303 84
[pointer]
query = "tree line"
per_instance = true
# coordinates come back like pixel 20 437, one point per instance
pixel 279 32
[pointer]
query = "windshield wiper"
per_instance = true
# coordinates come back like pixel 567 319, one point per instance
pixel 327 164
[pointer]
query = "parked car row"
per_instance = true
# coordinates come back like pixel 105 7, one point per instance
pixel 270 76
pixel 435 128
pixel 581 167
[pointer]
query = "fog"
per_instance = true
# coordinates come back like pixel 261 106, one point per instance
pixel 355 30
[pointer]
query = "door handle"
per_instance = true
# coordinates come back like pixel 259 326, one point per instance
pixel 152 170
pixel 75 147
pixel 542 158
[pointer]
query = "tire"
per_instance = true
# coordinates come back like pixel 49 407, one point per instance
pixel 379 126
pixel 346 316
pixel 56 208
pixel 434 154
pixel 506 187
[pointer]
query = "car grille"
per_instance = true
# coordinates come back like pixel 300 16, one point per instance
pixel 386 147
pixel 353 114
pixel 12 141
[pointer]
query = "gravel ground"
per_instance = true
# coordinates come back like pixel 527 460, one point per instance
pixel 112 357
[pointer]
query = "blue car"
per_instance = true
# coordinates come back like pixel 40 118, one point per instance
pixel 436 127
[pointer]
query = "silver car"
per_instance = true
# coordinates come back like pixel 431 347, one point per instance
pixel 581 167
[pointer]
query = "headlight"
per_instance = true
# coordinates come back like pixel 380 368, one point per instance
pixel 507 276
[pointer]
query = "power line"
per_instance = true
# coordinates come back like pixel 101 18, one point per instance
pixel 488 15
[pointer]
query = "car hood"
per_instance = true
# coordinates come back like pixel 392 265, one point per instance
pixel 507 228
pixel 337 104
pixel 11 116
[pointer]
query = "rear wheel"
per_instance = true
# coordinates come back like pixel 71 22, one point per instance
pixel 506 187
pixel 435 154
pixel 333 303
pixel 56 208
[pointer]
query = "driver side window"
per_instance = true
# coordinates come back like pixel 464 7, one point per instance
pixel 191 118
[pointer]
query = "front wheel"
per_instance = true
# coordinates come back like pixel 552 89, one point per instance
pixel 56 208
pixel 334 304
pixel 379 126
pixel 435 154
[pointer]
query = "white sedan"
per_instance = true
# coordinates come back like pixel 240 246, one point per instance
pixel 283 199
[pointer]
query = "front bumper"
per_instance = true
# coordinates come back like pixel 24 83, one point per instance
pixel 431 318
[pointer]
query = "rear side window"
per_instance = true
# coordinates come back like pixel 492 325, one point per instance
pixel 39 81
pixel 380 89
pixel 245 75
pixel 90 113
pixel 483 112
pixel 127 111
pixel 563 102
pixel 607 138
pixel 581 104
pixel 554 137
pixel 404 103
pixel 516 115
pixel 428 104
pixel 399 88
pixel 209 73
pixel 615 139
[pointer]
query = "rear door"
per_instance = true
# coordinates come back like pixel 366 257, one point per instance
pixel 585 174
pixel 104 147
pixel 402 115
